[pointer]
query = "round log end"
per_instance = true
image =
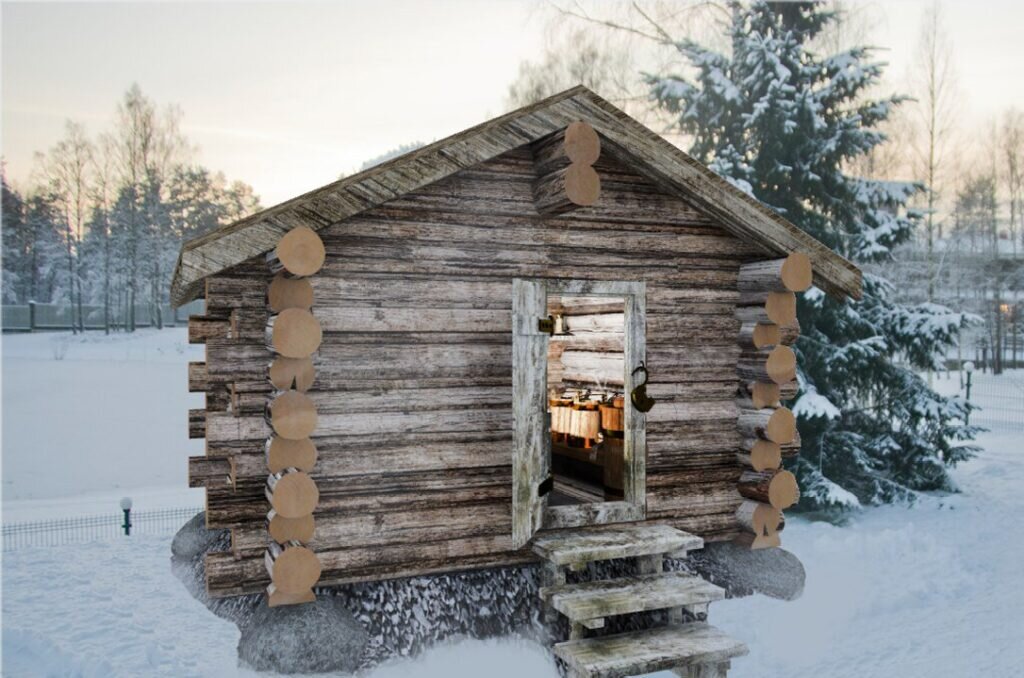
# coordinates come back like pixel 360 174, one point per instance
pixel 283 453
pixel 296 570
pixel 582 185
pixel 301 251
pixel 285 292
pixel 781 365
pixel 797 272
pixel 783 491
pixel 765 455
pixel 283 530
pixel 765 334
pixel 764 395
pixel 781 427
pixel 780 307
pixel 292 373
pixel 582 145
pixel 295 495
pixel 293 415
pixel 296 333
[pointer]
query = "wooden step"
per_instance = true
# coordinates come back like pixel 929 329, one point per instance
pixel 607 598
pixel 568 547
pixel 640 652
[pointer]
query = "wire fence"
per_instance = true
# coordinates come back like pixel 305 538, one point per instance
pixel 1000 399
pixel 34 317
pixel 93 528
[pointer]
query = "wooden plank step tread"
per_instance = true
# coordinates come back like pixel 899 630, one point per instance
pixel 640 652
pixel 566 547
pixel 606 598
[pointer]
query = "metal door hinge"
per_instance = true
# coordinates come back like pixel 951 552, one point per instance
pixel 546 486
pixel 546 324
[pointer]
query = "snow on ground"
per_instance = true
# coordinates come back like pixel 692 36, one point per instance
pixel 93 417
pixel 928 591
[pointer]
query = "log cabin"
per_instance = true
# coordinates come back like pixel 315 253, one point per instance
pixel 553 338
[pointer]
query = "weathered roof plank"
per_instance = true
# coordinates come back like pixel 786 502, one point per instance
pixel 669 168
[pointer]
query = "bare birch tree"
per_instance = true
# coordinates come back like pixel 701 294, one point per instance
pixel 936 91
pixel 66 174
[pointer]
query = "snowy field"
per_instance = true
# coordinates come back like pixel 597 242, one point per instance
pixel 930 591
pixel 88 419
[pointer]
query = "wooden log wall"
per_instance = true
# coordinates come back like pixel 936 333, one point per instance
pixel 767 371
pixel 412 380
pixel 592 356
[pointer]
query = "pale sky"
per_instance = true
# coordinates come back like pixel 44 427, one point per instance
pixel 286 96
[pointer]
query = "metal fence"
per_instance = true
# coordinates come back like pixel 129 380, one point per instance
pixel 34 317
pixel 1000 399
pixel 93 528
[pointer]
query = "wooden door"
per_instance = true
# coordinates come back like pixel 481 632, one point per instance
pixel 531 455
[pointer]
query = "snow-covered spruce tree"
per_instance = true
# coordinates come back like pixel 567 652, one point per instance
pixel 782 123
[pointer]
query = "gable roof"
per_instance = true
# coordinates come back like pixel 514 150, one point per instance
pixel 666 166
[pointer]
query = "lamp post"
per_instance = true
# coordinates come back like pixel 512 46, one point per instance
pixel 126 506
pixel 968 367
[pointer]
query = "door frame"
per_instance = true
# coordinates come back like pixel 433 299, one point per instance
pixel 633 506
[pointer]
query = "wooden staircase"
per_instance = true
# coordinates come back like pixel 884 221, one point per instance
pixel 693 649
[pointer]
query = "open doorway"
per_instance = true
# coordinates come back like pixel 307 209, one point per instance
pixel 586 398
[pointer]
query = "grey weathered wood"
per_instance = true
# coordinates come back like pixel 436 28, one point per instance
pixel 640 652
pixel 607 598
pixel 609 542
pixel 668 167
pixel 531 457
pixel 709 670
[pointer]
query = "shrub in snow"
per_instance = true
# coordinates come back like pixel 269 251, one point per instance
pixel 782 121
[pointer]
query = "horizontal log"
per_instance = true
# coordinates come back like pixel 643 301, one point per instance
pixel 292 373
pixel 299 253
pixel 227 428
pixel 293 415
pixel 775 487
pixel 768 394
pixel 390 291
pixel 204 471
pixel 197 380
pixel 762 521
pixel 292 493
pixel 567 189
pixel 226 293
pixel 337 563
pixel 247 503
pixel 693 411
pixel 779 307
pixel 294 333
pixel 778 426
pixel 777 365
pixel 292 569
pixel 763 455
pixel 203 328
pixel 227 581
pixel 197 423
pixel 285 292
pixel 577 143
pixel 789 274
pixel 280 529
pixel 281 454
pixel 369 530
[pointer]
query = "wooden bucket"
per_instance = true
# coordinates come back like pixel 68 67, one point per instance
pixel 612 418
pixel 561 413
pixel 585 422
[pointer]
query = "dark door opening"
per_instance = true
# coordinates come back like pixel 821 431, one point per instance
pixel 586 375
